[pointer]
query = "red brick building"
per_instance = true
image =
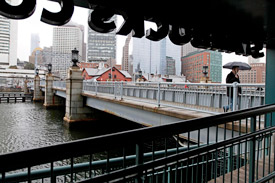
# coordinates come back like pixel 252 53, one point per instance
pixel 255 75
pixel 106 74
pixel 192 66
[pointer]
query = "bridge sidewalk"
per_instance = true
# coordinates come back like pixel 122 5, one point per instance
pixel 150 105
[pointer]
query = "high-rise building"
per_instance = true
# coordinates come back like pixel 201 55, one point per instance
pixel 192 66
pixel 255 75
pixel 253 60
pixel 65 39
pixel 101 47
pixel 150 56
pixel 35 41
pixel 188 48
pixel 125 54
pixel 170 66
pixel 8 41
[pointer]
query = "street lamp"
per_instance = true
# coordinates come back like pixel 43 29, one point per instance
pixel 36 71
pixel 75 56
pixel 50 68
pixel 205 70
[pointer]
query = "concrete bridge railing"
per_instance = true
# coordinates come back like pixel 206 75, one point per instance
pixel 198 96
pixel 209 97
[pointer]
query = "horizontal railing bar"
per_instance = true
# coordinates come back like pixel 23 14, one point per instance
pixel 63 170
pixel 180 83
pixel 176 157
pixel 32 157
pixel 266 178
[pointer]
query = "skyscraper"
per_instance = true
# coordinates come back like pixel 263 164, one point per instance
pixel 8 42
pixel 170 66
pixel 125 54
pixel 35 41
pixel 151 55
pixel 101 47
pixel 65 39
pixel 146 56
pixel 188 48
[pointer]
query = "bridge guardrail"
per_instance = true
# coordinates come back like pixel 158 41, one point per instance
pixel 197 96
pixel 59 84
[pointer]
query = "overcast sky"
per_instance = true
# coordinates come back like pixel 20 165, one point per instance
pixel 34 25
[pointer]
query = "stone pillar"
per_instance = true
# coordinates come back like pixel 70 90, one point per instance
pixel 26 90
pixel 50 99
pixel 37 94
pixel 76 111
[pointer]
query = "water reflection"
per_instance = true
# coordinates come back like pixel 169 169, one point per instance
pixel 30 125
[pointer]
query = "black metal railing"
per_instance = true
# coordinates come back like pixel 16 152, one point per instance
pixel 231 147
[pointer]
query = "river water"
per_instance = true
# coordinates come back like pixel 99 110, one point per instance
pixel 29 125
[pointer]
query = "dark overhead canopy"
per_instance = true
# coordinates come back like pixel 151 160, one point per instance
pixel 240 26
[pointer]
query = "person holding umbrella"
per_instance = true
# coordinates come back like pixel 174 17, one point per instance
pixel 233 77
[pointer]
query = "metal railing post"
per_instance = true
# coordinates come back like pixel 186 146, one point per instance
pixel 252 149
pixel 114 88
pixel 235 95
pixel 139 161
pixel 158 94
pixel 96 85
pixel 121 90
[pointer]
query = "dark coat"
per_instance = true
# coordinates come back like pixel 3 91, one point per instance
pixel 231 79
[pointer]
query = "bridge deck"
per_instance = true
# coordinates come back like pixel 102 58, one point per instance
pixel 150 105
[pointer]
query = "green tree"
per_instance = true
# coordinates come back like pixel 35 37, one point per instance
pixel 29 66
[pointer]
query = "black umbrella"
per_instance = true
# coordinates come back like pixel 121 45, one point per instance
pixel 241 65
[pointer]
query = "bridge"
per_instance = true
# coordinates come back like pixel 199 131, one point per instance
pixel 154 104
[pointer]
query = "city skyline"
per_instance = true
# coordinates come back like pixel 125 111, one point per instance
pixel 34 25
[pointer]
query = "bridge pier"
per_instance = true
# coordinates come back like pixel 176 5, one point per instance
pixel 50 99
pixel 26 90
pixel 37 94
pixel 76 111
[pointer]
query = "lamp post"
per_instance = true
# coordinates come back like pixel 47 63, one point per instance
pixel 205 70
pixel 75 56
pixel 50 68
pixel 36 71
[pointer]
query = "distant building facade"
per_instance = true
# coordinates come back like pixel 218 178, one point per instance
pixel 65 39
pixel 255 75
pixel 37 56
pixel 150 56
pixel 170 66
pixel 8 41
pixel 125 54
pixel 35 41
pixel 192 66
pixel 106 74
pixel 41 57
pixel 101 46
pixel 187 49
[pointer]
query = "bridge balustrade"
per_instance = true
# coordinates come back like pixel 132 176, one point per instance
pixel 201 97
pixel 230 147
pixel 59 84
